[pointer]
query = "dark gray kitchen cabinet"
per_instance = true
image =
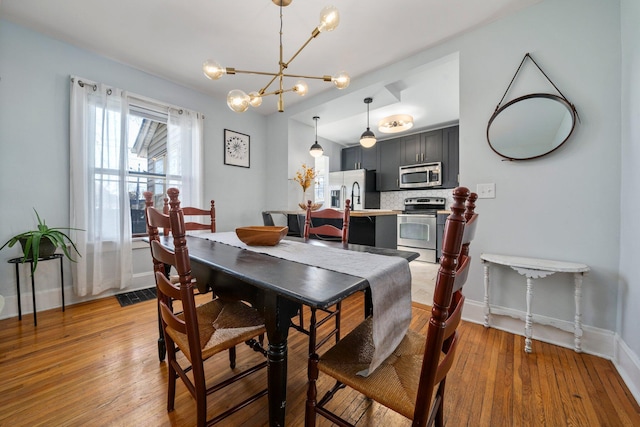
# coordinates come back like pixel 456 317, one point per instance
pixel 450 157
pixel 379 231
pixel 389 162
pixel 432 146
pixel 424 147
pixel 387 156
pixel 411 148
pixel 358 157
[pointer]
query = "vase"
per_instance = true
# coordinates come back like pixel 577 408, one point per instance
pixel 303 205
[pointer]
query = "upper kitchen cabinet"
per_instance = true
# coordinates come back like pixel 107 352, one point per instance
pixel 450 157
pixel 433 146
pixel 358 157
pixel 387 173
pixel 425 147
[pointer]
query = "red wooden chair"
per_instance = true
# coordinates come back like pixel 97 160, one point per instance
pixel 412 380
pixel 208 218
pixel 338 230
pixel 190 211
pixel 198 332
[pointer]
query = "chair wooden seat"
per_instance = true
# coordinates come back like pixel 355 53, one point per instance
pixel 411 381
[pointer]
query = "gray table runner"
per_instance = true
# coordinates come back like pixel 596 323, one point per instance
pixel 389 278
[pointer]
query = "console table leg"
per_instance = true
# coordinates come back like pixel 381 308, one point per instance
pixel 578 318
pixel 528 325
pixel 487 309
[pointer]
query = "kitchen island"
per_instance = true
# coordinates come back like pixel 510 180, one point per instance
pixel 371 227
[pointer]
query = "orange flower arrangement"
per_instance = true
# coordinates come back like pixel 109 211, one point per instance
pixel 305 177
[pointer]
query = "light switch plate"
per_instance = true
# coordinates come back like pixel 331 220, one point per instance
pixel 486 191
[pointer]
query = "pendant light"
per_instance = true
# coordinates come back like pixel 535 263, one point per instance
pixel 368 139
pixel 316 149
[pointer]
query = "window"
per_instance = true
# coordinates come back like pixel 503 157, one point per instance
pixel 122 145
pixel 321 188
pixel 147 162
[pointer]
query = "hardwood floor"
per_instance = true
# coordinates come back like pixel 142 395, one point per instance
pixel 96 365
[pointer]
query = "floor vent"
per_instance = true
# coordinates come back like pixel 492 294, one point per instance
pixel 134 297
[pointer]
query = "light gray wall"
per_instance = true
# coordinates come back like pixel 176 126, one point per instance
pixel 565 206
pixel 34 141
pixel 629 284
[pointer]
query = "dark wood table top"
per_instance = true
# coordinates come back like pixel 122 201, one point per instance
pixel 313 286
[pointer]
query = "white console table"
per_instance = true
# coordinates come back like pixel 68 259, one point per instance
pixel 535 268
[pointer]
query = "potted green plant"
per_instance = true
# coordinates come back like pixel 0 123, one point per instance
pixel 42 242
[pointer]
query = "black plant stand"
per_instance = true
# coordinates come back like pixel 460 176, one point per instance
pixel 17 261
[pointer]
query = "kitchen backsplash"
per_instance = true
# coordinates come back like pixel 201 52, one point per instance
pixel 394 200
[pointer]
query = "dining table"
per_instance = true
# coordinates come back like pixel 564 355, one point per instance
pixel 277 287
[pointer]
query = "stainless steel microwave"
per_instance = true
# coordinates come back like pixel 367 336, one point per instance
pixel 423 175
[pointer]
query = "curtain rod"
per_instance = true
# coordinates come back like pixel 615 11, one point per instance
pixel 138 97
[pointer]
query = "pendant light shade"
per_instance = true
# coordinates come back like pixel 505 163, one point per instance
pixel 368 138
pixel 316 149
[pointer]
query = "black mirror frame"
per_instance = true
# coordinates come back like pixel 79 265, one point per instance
pixel 563 101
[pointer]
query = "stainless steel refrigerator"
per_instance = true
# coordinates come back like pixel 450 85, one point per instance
pixel 358 185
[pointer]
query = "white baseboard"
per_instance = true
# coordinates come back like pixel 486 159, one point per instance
pixel 596 341
pixel 52 298
pixel 628 365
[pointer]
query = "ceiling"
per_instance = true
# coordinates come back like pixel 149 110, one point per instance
pixel 172 38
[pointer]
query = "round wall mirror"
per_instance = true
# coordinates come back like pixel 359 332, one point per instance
pixel 531 126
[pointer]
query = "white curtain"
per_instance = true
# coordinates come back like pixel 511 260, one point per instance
pixel 99 201
pixel 184 155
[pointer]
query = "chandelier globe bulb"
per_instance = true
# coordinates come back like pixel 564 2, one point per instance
pixel 212 69
pixel 238 101
pixel 329 19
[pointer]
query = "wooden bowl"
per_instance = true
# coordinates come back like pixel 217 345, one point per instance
pixel 261 235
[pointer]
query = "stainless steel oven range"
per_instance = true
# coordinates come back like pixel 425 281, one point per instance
pixel 417 228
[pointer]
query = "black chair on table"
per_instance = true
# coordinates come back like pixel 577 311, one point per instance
pixel 267 219
pixel 198 332
pixel 412 380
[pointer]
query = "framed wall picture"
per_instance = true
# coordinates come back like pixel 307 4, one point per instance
pixel 236 148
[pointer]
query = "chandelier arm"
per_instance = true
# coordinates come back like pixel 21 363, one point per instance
pixel 275 76
pixel 313 35
pixel 262 73
pixel 278 92
pixel 324 78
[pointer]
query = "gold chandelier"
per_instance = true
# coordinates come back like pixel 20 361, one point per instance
pixel 239 101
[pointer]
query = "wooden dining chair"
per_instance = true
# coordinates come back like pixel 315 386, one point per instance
pixel 198 332
pixel 338 229
pixel 210 225
pixel 412 380
pixel 207 217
